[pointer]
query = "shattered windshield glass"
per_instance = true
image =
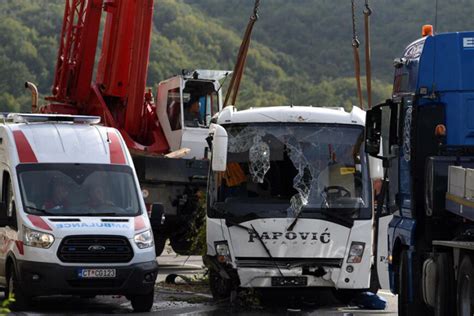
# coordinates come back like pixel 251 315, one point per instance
pixel 282 170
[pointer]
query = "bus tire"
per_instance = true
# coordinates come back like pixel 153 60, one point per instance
pixel 465 287
pixel 220 288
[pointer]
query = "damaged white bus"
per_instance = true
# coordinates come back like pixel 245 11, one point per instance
pixel 290 201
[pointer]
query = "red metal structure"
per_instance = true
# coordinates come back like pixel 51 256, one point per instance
pixel 118 94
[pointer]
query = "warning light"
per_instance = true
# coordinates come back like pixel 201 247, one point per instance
pixel 427 30
pixel 440 130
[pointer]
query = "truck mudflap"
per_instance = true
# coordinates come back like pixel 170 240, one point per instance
pixel 40 279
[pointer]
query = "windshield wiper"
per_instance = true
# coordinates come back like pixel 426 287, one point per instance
pixel 249 229
pixel 45 212
pixel 330 213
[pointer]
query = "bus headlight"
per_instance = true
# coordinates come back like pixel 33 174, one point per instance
pixel 223 252
pixel 356 251
pixel 144 240
pixel 34 238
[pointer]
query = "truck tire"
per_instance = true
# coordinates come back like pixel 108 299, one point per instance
pixel 444 287
pixel 143 303
pixel 160 243
pixel 22 301
pixel 220 288
pixel 465 287
pixel 417 306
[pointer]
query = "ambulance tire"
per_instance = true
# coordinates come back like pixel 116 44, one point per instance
pixel 160 243
pixel 465 287
pixel 220 287
pixel 143 303
pixel 22 301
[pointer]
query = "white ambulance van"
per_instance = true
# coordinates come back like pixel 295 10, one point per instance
pixel 72 219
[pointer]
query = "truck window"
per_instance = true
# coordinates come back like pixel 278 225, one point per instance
pixel 173 109
pixel 200 103
pixel 78 189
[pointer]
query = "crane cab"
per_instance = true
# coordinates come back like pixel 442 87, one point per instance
pixel 185 106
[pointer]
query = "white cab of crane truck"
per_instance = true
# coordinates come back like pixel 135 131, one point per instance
pixel 72 219
pixel 290 201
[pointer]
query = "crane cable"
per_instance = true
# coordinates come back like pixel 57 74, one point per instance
pixel 355 47
pixel 234 84
pixel 368 71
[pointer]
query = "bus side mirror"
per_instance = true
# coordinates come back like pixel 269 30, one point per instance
pixel 219 147
pixel 373 131
pixel 381 130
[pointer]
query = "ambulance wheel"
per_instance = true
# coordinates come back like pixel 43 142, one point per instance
pixel 465 287
pixel 160 243
pixel 22 301
pixel 220 288
pixel 143 303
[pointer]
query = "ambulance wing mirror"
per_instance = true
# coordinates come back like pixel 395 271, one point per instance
pixel 219 147
pixel 381 130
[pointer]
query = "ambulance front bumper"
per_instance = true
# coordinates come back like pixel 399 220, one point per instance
pixel 39 279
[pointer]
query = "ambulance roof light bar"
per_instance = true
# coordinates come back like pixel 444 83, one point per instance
pixel 58 118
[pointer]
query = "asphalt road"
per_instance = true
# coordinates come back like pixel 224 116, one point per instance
pixel 184 299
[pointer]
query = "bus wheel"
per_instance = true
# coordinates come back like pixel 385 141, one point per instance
pixel 220 287
pixel 465 287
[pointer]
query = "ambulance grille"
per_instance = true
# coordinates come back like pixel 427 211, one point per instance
pixel 95 249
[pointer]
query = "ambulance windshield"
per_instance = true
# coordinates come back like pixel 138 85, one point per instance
pixel 78 189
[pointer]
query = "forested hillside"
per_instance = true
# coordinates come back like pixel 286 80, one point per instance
pixel 301 52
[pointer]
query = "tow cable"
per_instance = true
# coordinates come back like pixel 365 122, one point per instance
pixel 355 48
pixel 368 71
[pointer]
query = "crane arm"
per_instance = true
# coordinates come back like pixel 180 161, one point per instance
pixel 77 47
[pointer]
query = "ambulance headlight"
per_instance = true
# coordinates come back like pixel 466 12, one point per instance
pixel 223 252
pixel 144 240
pixel 34 238
pixel 356 252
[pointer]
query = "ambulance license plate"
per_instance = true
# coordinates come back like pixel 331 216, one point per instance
pixel 96 273
pixel 289 281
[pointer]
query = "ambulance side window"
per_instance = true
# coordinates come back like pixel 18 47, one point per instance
pixel 5 199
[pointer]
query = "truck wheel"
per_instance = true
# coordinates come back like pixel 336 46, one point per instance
pixel 143 303
pixel 220 287
pixel 160 243
pixel 465 287
pixel 444 288
pixel 22 301
pixel 417 306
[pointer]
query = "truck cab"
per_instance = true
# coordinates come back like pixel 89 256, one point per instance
pixel 186 104
pixel 421 134
pixel 72 219
pixel 289 200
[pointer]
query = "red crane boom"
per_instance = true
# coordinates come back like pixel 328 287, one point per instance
pixel 118 94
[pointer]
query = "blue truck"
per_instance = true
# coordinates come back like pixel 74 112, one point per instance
pixel 425 136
